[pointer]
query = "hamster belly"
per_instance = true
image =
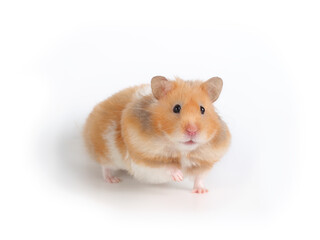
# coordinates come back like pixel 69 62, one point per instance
pixel 150 174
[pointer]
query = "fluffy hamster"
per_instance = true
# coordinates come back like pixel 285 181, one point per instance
pixel 159 132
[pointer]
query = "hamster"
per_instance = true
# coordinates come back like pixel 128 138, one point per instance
pixel 159 132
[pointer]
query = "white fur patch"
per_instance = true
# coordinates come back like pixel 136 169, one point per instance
pixel 149 174
pixel 144 90
pixel 110 137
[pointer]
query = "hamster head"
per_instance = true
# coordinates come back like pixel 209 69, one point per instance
pixel 184 112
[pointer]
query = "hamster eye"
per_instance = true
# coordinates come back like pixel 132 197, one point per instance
pixel 202 110
pixel 176 108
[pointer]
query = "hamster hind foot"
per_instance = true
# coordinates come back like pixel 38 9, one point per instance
pixel 108 177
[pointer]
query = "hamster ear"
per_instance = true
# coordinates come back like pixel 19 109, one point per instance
pixel 213 86
pixel 160 86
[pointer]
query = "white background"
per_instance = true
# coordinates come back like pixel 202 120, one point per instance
pixel 58 59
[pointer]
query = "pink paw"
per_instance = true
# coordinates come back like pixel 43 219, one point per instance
pixel 110 179
pixel 107 175
pixel 200 190
pixel 177 175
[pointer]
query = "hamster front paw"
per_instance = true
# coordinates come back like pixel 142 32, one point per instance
pixel 198 186
pixel 176 175
pixel 199 190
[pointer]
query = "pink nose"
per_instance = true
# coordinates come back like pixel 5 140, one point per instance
pixel 191 130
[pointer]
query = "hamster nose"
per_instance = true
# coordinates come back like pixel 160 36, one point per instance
pixel 191 130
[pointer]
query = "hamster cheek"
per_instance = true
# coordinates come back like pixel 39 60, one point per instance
pixel 176 137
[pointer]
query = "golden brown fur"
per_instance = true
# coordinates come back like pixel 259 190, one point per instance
pixel 148 133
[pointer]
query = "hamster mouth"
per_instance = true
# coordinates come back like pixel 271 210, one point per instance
pixel 190 142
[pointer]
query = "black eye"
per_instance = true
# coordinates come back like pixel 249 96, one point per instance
pixel 176 108
pixel 202 110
